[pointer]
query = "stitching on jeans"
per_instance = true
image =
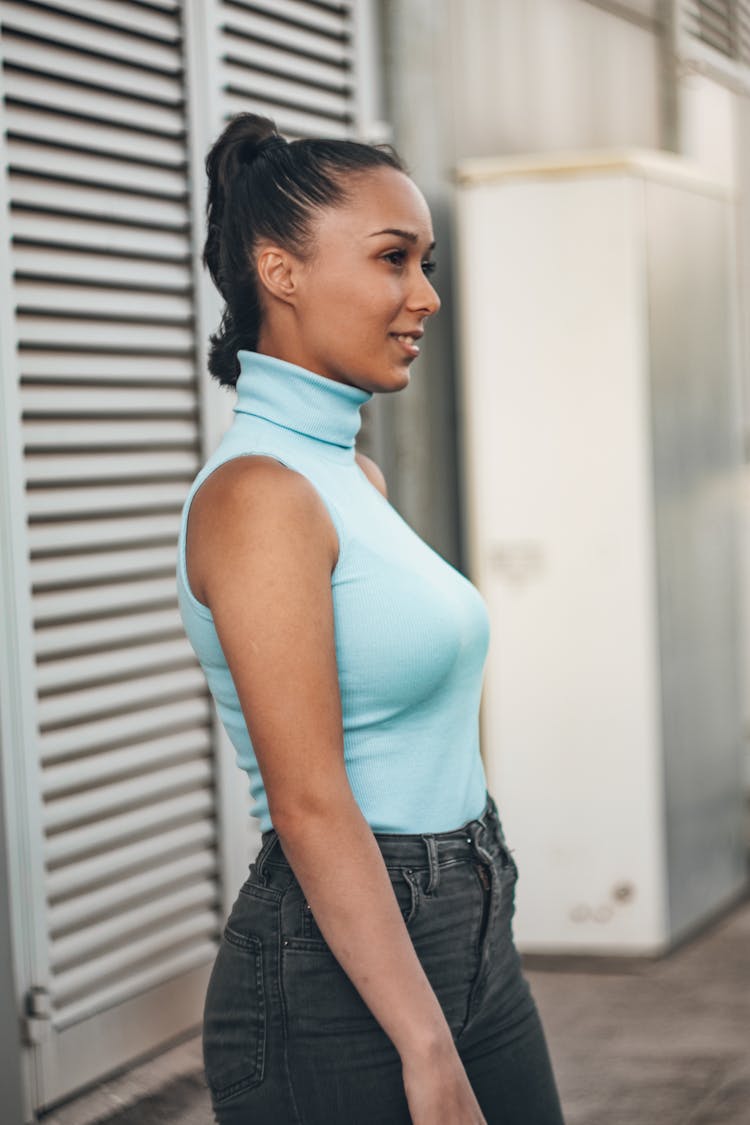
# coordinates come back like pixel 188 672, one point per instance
pixel 434 866
pixel 249 943
pixel 284 1029
pixel 408 873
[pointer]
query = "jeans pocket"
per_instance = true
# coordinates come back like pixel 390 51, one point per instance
pixel 234 1018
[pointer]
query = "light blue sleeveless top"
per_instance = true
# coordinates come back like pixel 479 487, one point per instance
pixel 411 631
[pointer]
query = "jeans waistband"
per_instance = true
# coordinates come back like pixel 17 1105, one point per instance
pixel 429 850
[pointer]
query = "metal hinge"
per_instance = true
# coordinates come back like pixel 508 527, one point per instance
pixel 37 1016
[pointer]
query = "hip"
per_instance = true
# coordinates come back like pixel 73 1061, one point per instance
pixel 278 997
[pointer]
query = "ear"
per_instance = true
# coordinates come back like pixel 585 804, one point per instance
pixel 276 272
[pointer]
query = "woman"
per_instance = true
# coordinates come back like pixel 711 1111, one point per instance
pixel 367 972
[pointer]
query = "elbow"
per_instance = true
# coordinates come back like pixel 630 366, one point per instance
pixel 304 815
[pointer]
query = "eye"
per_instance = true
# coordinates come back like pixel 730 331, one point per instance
pixel 398 258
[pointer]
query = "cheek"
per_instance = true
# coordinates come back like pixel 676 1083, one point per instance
pixel 364 301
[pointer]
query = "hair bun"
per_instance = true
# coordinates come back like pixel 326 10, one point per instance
pixel 249 150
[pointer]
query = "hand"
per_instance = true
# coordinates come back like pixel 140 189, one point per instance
pixel 439 1092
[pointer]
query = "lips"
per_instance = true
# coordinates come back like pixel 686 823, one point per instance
pixel 408 341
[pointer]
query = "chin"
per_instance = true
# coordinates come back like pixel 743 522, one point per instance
pixel 402 378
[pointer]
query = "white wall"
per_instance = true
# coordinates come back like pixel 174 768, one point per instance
pixel 536 75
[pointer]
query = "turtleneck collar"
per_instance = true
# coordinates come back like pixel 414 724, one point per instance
pixel 298 399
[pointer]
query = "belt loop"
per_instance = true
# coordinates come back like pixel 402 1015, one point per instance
pixel 262 855
pixel 477 831
pixel 432 858
pixel 487 812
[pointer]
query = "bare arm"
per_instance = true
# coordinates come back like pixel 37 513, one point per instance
pixel 261 548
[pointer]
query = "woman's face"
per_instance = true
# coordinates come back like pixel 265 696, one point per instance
pixel 360 301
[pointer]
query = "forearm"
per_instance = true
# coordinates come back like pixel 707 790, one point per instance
pixel 357 913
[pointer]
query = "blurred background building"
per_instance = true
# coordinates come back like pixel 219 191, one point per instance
pixel 124 829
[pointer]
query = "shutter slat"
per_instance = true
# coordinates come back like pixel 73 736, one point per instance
pixel 133 208
pixel 104 632
pixel 174 963
pixel 21 50
pixel 70 538
pixel 125 762
pixel 78 878
pixel 64 96
pixel 96 971
pixel 92 703
pixel 140 19
pixel 100 237
pixel 108 575
pixel 97 837
pixel 247 25
pixel 173 463
pixel 241 58
pixel 128 890
pixel 328 21
pixel 68 401
pixel 135 434
pixel 79 503
pixel 103 935
pixel 141 725
pixel 33 263
pixel 96 170
pixel 96 369
pixel 77 673
pixel 32 124
pixel 108 800
pixel 36 331
pixel 278 90
pixel 77 301
pixel 95 603
pixel 142 49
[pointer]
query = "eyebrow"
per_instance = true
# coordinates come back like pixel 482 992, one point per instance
pixel 409 235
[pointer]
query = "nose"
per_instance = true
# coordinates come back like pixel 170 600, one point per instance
pixel 424 296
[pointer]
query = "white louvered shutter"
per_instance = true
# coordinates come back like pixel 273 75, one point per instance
pixel 291 60
pixel 96 144
pixel 723 25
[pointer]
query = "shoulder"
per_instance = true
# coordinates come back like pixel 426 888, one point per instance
pixel 256 477
pixel 257 481
pixel 256 500
pixel 372 472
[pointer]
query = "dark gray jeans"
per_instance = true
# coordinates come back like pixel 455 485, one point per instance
pixel 287 1038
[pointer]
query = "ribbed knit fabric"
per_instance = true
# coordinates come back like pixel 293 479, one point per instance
pixel 411 631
